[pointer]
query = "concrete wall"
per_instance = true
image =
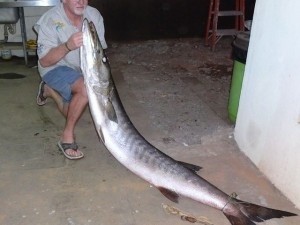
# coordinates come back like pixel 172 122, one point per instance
pixel 267 127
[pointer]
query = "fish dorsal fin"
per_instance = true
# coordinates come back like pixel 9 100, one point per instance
pixel 171 195
pixel 192 167
pixel 111 112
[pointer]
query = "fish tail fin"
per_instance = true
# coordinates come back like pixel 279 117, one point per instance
pixel 244 213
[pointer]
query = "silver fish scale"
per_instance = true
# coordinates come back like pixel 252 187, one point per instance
pixel 141 150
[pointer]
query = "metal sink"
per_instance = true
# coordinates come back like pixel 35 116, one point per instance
pixel 9 8
pixel 25 3
pixel 9 15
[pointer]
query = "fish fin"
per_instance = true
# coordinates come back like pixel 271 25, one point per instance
pixel 101 135
pixel 171 195
pixel 239 219
pixel 192 167
pixel 111 112
pixel 245 213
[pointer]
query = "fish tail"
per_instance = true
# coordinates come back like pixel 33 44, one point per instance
pixel 244 213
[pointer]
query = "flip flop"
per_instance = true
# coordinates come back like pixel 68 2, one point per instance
pixel 64 146
pixel 40 99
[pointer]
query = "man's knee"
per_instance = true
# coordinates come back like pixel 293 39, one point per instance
pixel 79 88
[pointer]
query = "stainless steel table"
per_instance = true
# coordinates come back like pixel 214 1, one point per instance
pixel 20 4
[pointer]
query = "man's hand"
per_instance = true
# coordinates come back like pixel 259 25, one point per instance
pixel 75 41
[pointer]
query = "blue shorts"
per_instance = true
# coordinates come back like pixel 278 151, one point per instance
pixel 60 79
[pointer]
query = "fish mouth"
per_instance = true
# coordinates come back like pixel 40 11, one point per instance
pixel 86 30
pixel 93 59
pixel 89 49
pixel 91 36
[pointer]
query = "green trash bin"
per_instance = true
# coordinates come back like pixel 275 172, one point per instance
pixel 239 55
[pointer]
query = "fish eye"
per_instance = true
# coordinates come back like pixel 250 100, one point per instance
pixel 104 59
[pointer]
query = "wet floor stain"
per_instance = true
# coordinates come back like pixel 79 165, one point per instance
pixel 9 76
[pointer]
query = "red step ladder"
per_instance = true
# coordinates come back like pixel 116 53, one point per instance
pixel 213 34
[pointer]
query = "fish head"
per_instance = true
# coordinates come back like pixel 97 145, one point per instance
pixel 97 76
pixel 94 63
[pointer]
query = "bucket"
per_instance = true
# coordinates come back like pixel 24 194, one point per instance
pixel 239 54
pixel 6 54
pixel 235 89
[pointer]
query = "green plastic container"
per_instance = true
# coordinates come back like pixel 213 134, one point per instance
pixel 239 53
pixel 235 89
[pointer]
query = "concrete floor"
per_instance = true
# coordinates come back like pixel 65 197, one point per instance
pixel 176 93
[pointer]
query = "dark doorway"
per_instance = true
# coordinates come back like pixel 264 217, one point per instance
pixel 154 19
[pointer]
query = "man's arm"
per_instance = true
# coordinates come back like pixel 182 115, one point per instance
pixel 54 55
pixel 57 53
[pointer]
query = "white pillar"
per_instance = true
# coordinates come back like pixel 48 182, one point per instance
pixel 267 127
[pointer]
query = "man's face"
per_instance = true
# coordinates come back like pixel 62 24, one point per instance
pixel 76 7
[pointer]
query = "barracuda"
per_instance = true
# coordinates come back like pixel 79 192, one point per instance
pixel 171 177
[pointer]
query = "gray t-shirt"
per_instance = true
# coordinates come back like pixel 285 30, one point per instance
pixel 54 28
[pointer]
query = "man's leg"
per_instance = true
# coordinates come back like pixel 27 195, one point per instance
pixel 73 112
pixel 50 93
pixel 66 86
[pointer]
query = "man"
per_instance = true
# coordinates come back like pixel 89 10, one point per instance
pixel 59 41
